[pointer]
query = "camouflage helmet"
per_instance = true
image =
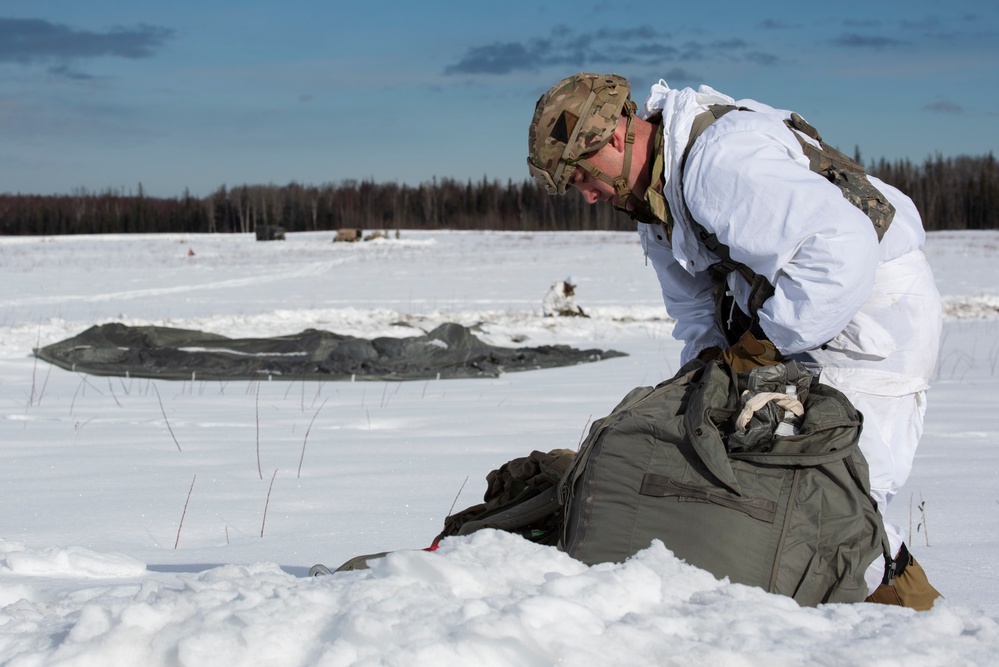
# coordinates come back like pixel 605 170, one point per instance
pixel 576 117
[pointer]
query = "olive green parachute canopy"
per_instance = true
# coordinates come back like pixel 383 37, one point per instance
pixel 576 117
pixel 449 351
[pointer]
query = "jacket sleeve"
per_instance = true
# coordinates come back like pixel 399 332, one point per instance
pixel 748 182
pixel 689 298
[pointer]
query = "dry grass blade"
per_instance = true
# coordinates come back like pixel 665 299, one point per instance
pixel 267 503
pixel 163 410
pixel 257 408
pixel 306 439
pixel 184 513
pixel 455 501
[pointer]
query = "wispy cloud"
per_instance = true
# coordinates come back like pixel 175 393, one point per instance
pixel 733 44
pixel 503 58
pixel 944 106
pixel 933 27
pixel 680 76
pixel 761 58
pixel 876 42
pixel 861 23
pixel 777 24
pixel 67 72
pixel 566 48
pixel 926 23
pixel 35 40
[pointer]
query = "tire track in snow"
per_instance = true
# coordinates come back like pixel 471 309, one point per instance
pixel 305 271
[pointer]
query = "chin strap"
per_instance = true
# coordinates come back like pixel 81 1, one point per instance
pixel 620 184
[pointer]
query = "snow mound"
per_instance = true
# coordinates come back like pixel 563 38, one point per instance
pixel 69 562
pixel 487 599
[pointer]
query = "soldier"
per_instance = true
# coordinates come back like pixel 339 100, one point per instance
pixel 560 301
pixel 768 245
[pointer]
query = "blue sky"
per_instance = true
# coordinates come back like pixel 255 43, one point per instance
pixel 195 95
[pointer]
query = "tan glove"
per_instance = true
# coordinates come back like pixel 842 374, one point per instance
pixel 749 353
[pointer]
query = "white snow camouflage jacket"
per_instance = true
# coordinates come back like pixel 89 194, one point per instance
pixel 845 304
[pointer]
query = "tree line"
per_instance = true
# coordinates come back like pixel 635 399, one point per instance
pixel 950 193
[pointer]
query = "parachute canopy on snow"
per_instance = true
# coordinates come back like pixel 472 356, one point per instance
pixel 449 351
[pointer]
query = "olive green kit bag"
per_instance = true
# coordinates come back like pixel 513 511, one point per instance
pixel 774 500
pixel 755 476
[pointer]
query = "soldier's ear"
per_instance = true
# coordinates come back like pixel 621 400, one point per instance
pixel 620 131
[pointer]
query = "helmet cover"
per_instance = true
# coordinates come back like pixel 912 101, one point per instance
pixel 576 117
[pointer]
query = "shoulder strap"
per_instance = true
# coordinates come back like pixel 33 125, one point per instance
pixel 702 121
pixel 845 173
pixel 760 288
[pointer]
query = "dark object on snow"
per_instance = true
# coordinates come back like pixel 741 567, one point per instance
pixel 731 484
pixel 522 498
pixel 350 235
pixel 449 351
pixel 707 464
pixel 270 233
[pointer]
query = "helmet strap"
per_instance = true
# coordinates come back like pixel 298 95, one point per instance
pixel 620 184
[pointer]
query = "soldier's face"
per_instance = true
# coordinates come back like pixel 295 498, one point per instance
pixel 608 160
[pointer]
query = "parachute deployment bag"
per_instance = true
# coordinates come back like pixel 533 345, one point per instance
pixel 729 475
pixel 790 513
pixel 521 497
